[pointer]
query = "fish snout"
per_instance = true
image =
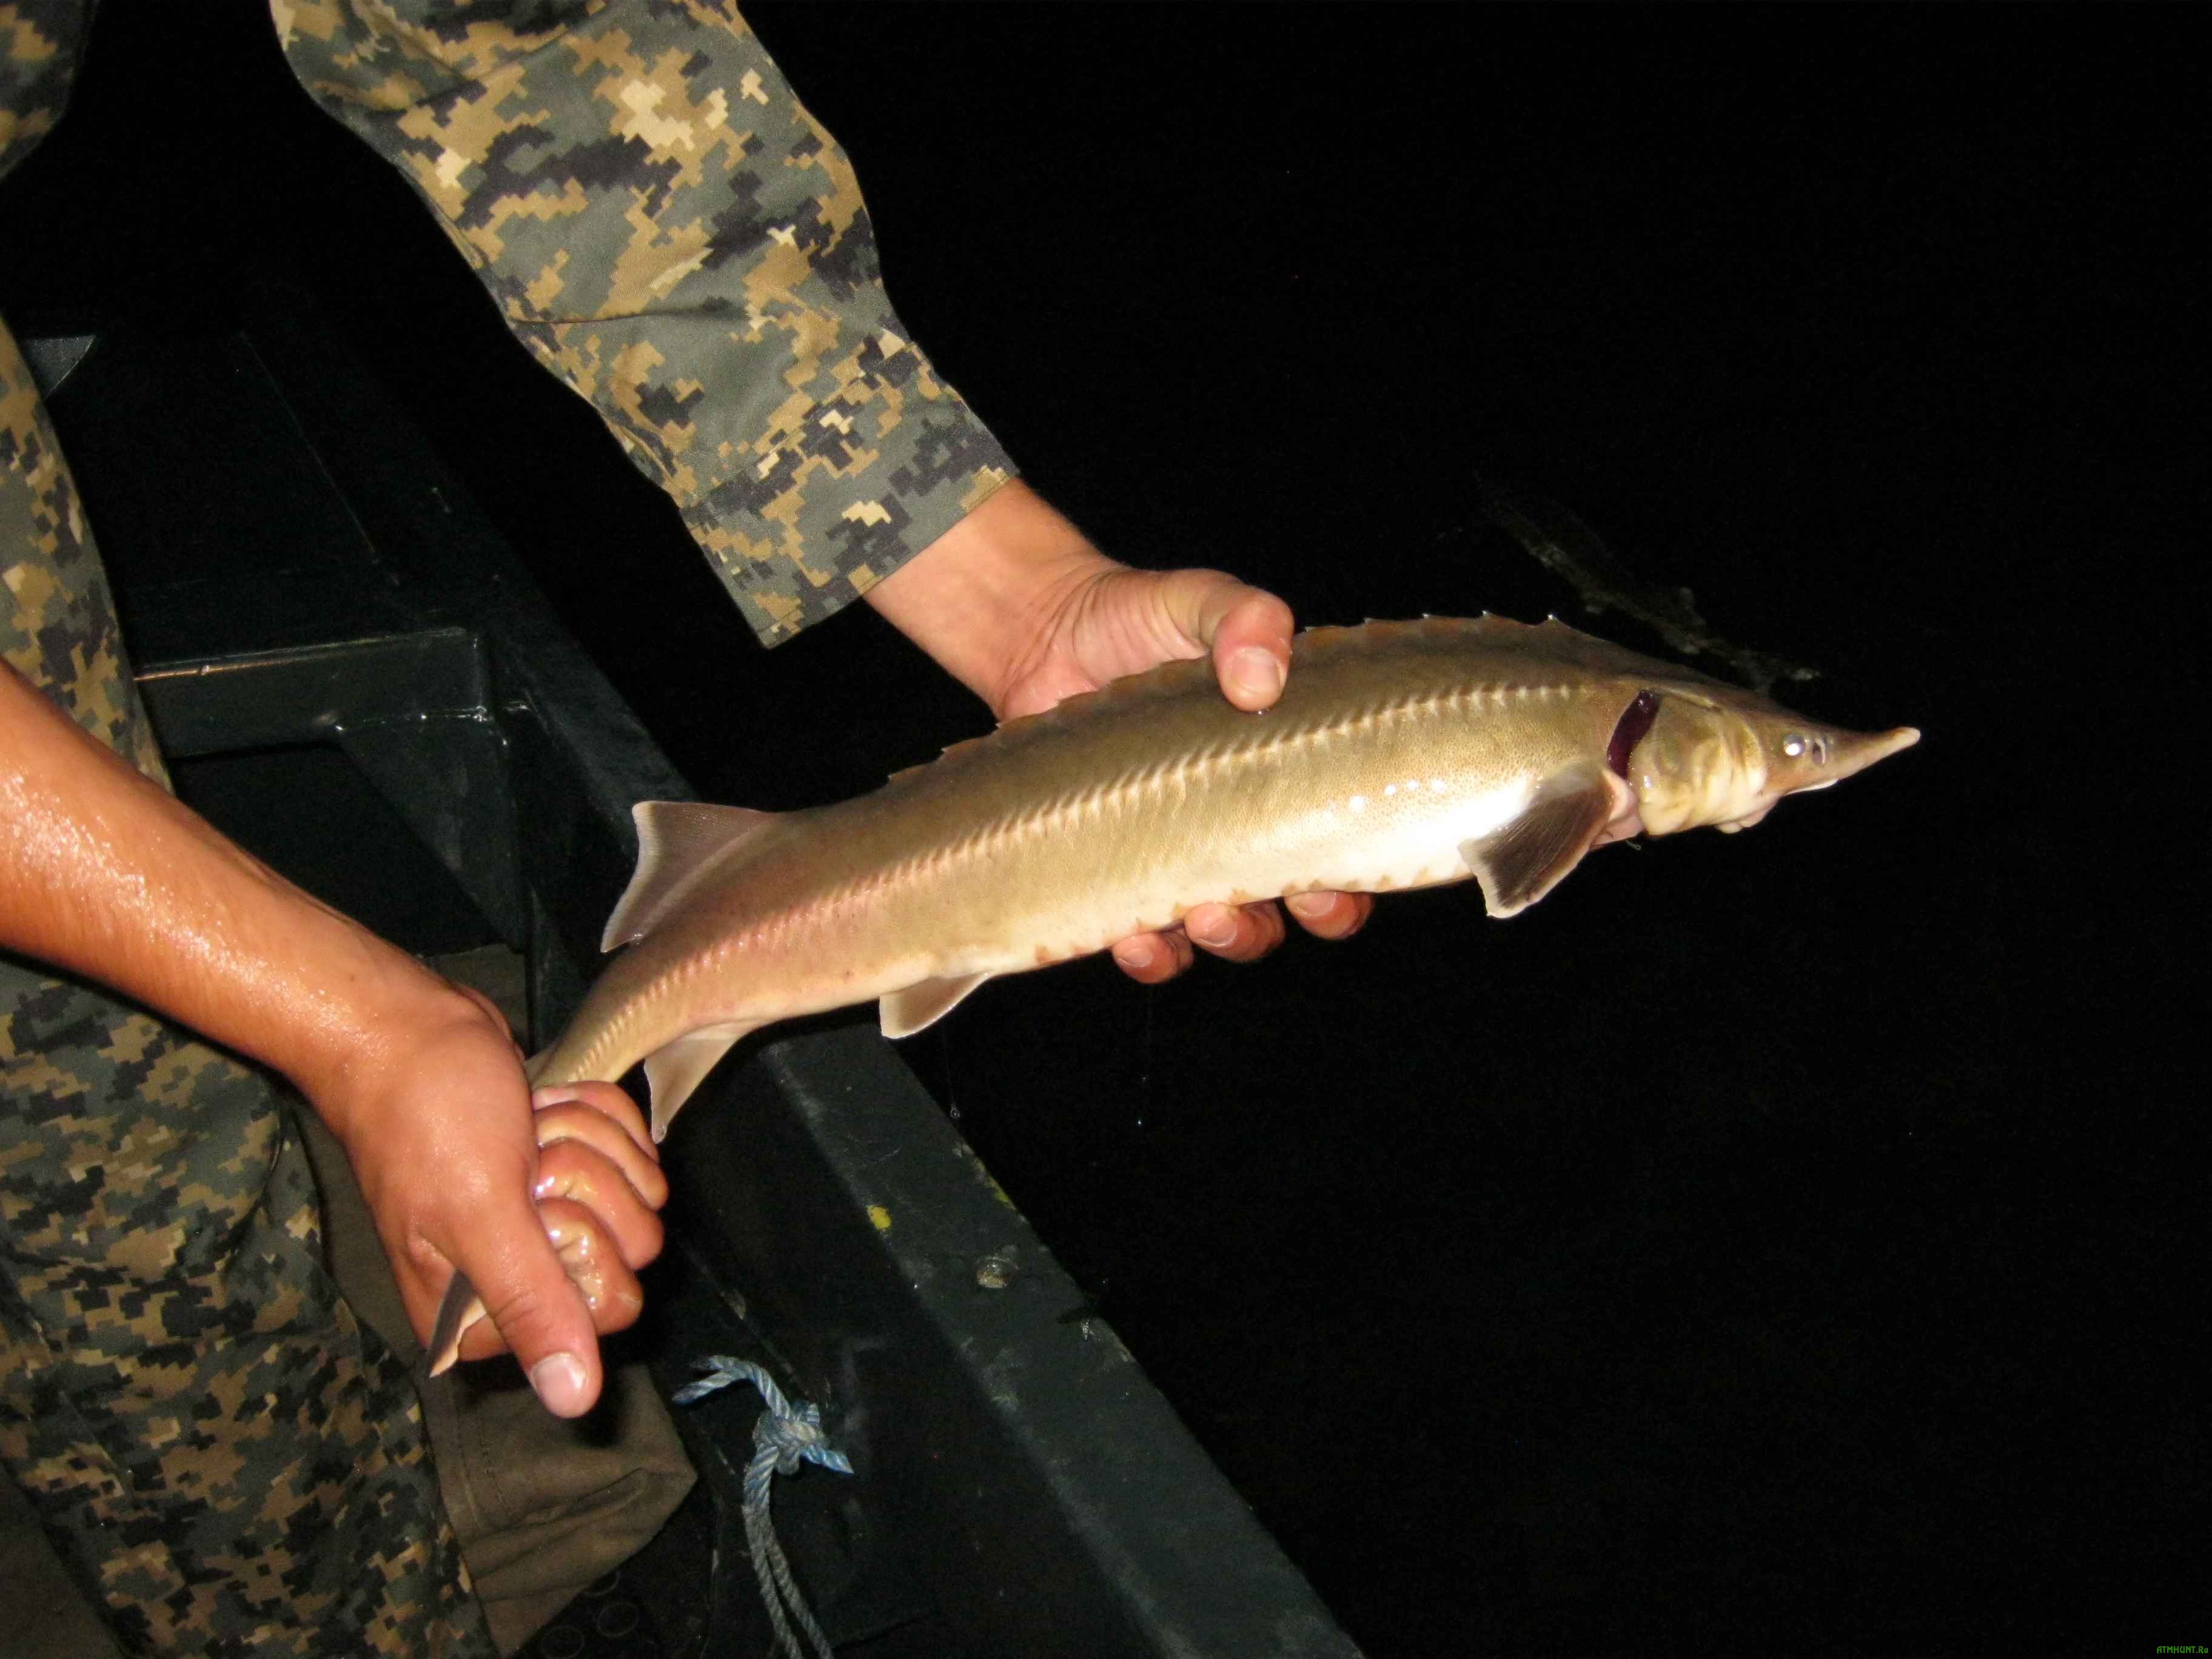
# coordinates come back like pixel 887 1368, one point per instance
pixel 1713 764
pixel 1820 756
pixel 1807 758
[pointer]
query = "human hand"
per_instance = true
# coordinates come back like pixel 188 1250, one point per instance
pixel 545 1199
pixel 105 873
pixel 1117 621
pixel 1018 606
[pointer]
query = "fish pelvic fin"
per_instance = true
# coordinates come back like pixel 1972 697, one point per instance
pixel 904 1013
pixel 673 1070
pixel 1524 858
pixel 678 842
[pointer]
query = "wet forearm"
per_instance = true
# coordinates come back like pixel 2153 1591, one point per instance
pixel 106 875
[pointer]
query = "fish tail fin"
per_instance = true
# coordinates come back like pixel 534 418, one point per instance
pixel 459 1309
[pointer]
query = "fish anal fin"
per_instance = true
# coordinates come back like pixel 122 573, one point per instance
pixel 1521 860
pixel 904 1013
pixel 673 1070
pixel 676 840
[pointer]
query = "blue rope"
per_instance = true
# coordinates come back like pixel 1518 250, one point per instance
pixel 783 1437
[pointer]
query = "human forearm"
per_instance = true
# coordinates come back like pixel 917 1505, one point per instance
pixel 105 874
pixel 1016 604
pixel 668 230
pixel 981 599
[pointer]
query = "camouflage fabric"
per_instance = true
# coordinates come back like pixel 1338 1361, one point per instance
pixel 224 1457
pixel 39 41
pixel 671 234
pixel 58 629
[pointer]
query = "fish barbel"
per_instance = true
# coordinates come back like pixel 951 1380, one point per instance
pixel 1400 755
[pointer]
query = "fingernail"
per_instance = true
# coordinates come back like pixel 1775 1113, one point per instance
pixel 1254 674
pixel 558 1380
pixel 1312 906
pixel 554 1093
pixel 1215 931
pixel 1133 953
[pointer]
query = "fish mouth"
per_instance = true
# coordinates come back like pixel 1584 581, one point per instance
pixel 1628 731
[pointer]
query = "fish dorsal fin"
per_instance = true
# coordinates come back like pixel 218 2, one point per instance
pixel 1523 860
pixel 905 1013
pixel 677 841
pixel 673 1070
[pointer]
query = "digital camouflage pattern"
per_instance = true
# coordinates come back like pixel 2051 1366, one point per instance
pixel 227 1460
pixel 59 628
pixel 666 227
pixel 39 41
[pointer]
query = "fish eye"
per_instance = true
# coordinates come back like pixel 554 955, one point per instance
pixel 1794 745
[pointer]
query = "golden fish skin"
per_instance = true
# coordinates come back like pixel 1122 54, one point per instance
pixel 1401 754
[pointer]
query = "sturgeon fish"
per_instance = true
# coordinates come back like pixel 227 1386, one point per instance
pixel 1401 754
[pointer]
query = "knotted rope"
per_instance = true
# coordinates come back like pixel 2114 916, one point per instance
pixel 782 1438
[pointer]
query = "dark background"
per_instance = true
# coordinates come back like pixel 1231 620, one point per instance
pixel 1793 1238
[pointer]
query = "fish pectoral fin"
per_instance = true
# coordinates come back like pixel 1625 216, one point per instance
pixel 1523 860
pixel 673 1070
pixel 905 1013
pixel 676 841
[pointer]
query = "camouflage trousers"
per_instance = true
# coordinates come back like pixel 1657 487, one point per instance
pixel 227 1460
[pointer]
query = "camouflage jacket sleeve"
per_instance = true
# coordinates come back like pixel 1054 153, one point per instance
pixel 669 232
pixel 39 42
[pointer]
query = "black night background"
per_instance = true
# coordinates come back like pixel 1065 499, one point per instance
pixel 1790 1240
